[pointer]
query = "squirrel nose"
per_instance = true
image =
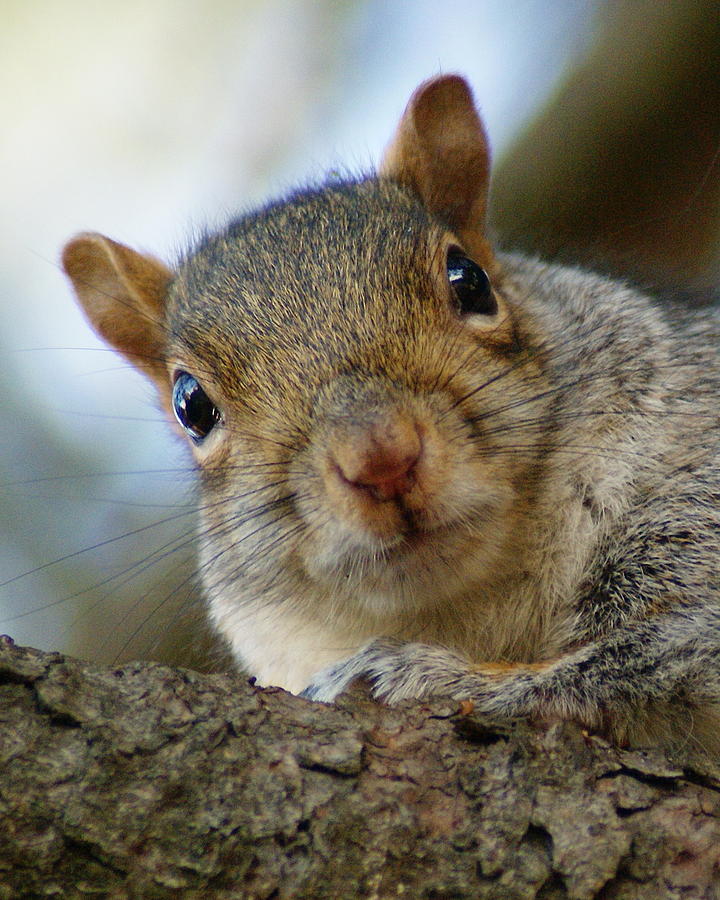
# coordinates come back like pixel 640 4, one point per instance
pixel 382 459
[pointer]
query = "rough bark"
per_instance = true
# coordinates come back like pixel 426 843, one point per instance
pixel 146 781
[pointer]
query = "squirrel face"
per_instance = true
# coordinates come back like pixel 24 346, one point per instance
pixel 350 376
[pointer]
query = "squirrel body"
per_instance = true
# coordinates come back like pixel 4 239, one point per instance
pixel 447 470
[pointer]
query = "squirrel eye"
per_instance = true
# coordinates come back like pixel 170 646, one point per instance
pixel 471 285
pixel 193 408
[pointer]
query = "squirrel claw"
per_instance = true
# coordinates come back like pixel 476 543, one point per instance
pixel 396 670
pixel 331 681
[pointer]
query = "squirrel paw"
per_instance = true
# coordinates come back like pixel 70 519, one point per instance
pixel 396 670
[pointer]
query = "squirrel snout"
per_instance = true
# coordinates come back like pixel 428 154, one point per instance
pixel 382 459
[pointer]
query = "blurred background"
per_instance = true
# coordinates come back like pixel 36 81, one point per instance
pixel 150 121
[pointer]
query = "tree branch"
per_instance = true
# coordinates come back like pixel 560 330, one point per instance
pixel 145 781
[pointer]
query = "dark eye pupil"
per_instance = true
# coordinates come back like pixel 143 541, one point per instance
pixel 193 408
pixel 471 285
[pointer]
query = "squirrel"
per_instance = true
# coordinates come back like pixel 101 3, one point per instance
pixel 443 468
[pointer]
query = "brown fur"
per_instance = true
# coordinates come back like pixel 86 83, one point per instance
pixel 516 506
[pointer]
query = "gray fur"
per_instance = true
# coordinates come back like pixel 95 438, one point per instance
pixel 551 551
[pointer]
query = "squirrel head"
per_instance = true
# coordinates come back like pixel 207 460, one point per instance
pixel 325 356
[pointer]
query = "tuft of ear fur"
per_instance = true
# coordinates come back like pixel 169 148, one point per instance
pixel 122 294
pixel 440 151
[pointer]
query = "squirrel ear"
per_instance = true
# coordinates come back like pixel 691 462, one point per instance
pixel 123 295
pixel 440 150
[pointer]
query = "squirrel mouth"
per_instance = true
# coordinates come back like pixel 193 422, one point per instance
pixel 412 540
